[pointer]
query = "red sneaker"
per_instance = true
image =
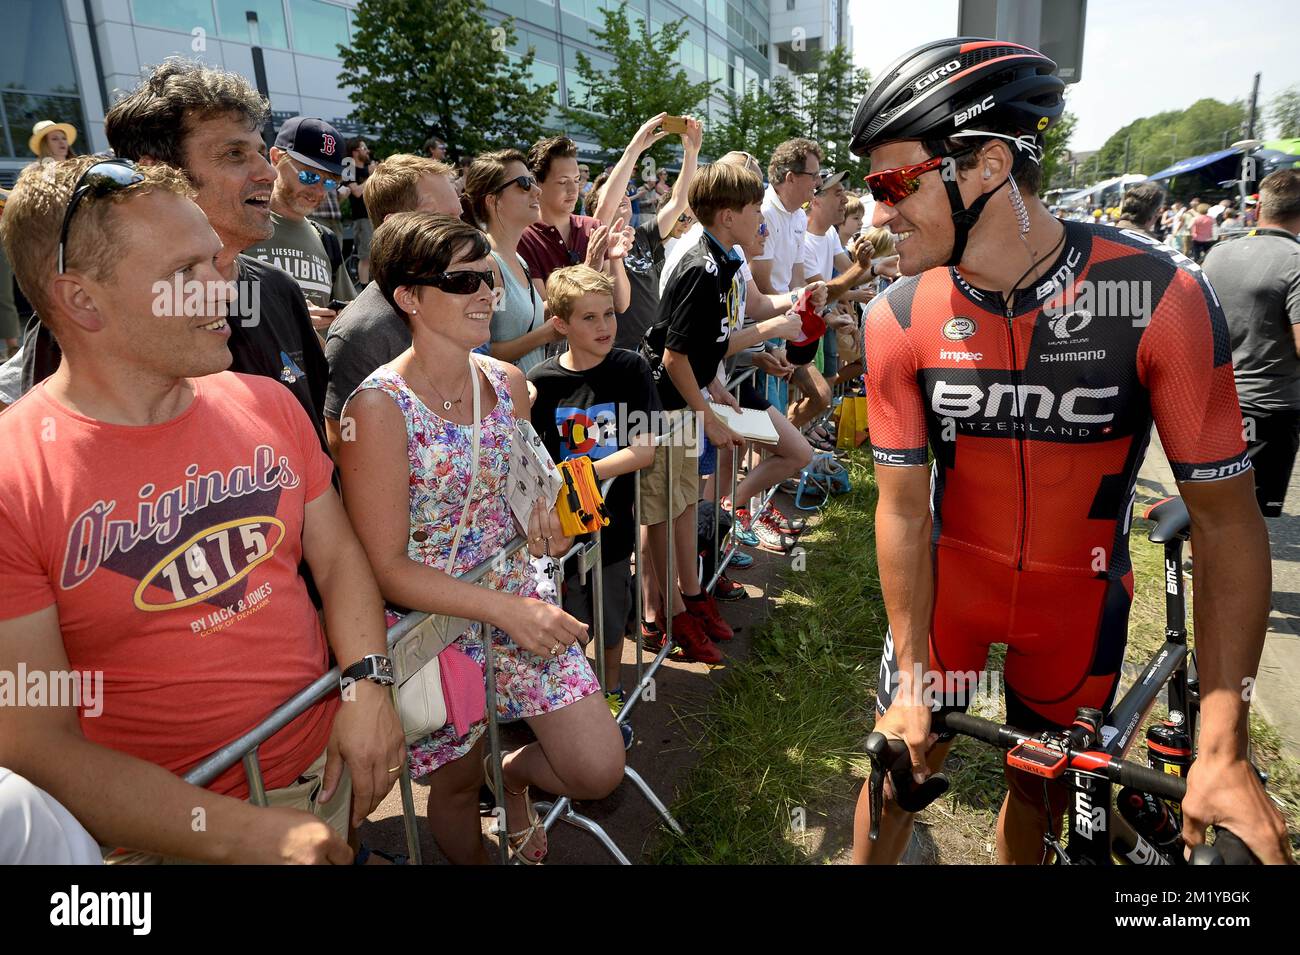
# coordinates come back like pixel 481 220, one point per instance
pixel 652 637
pixel 705 610
pixel 693 641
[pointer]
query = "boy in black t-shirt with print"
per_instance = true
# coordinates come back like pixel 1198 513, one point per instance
pixel 692 334
pixel 597 401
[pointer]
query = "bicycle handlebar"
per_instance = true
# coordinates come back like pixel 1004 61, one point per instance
pixel 891 755
pixel 1116 770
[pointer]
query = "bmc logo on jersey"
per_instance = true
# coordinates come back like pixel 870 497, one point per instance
pixel 933 75
pixel 1221 470
pixel 950 400
pixel 886 457
pixel 959 329
pixel 970 112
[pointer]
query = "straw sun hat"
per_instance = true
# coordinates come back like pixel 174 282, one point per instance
pixel 44 128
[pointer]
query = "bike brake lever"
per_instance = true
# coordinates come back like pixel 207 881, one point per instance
pixel 891 755
pixel 1227 849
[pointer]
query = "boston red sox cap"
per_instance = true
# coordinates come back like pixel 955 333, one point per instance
pixel 313 142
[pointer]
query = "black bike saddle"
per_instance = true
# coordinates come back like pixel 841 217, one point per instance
pixel 1171 521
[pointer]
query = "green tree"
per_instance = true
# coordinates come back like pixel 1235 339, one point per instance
pixel 1284 111
pixel 756 121
pixel 1056 148
pixel 421 67
pixel 1154 142
pixel 831 96
pixel 646 79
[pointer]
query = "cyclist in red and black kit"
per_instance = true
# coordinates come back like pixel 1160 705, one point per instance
pixel 1012 381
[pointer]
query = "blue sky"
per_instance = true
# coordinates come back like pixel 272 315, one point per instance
pixel 1139 56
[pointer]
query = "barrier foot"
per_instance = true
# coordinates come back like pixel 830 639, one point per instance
pixel 651 798
pixel 562 811
pixel 410 821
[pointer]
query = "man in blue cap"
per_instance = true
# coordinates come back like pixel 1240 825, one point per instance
pixel 308 159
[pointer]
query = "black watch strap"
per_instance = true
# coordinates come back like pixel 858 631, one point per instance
pixel 373 667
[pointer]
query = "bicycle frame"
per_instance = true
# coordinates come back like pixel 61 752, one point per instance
pixel 1091 764
pixel 1090 810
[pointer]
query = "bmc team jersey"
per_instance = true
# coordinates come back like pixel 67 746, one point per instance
pixel 1038 413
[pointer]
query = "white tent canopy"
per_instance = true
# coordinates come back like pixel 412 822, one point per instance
pixel 1080 195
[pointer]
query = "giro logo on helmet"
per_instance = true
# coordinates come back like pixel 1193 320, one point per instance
pixel 933 75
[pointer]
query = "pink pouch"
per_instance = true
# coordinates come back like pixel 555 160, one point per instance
pixel 462 689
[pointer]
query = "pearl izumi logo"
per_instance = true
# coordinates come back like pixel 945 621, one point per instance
pixel 959 329
pixel 1067 326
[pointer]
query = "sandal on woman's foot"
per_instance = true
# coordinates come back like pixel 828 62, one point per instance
pixel 365 852
pixel 522 837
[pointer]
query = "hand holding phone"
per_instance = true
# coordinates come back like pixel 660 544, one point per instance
pixel 673 124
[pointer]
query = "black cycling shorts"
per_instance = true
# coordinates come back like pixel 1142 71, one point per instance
pixel 1272 454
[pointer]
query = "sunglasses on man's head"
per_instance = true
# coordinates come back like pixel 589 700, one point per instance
pixel 459 282
pixel 108 175
pixel 309 177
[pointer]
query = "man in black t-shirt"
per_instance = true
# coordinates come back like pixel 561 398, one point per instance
pixel 355 175
pixel 597 401
pixel 692 334
pixel 219 148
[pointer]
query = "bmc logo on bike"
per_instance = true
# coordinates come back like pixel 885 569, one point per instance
pixel 1088 820
pixel 1171 577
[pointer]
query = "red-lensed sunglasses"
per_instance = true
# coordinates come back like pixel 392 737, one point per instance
pixel 892 186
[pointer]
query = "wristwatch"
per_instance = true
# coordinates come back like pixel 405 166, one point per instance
pixel 373 666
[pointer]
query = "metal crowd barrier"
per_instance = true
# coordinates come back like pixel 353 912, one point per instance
pixel 245 748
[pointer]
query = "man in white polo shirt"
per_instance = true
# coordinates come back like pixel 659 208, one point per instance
pixel 793 177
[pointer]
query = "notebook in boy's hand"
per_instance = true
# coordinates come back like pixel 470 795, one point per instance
pixel 749 423
pixel 533 475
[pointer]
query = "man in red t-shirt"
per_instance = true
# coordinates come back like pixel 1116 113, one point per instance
pixel 155 514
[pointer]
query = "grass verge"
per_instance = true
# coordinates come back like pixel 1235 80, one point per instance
pixel 780 760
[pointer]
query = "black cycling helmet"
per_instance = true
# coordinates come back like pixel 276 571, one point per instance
pixel 962 86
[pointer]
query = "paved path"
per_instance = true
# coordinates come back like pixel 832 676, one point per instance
pixel 1277 691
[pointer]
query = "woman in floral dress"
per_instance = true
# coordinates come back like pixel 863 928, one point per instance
pixel 406 471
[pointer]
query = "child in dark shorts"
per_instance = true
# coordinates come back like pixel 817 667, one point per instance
pixel 597 401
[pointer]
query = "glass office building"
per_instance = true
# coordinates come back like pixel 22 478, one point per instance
pixel 64 59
